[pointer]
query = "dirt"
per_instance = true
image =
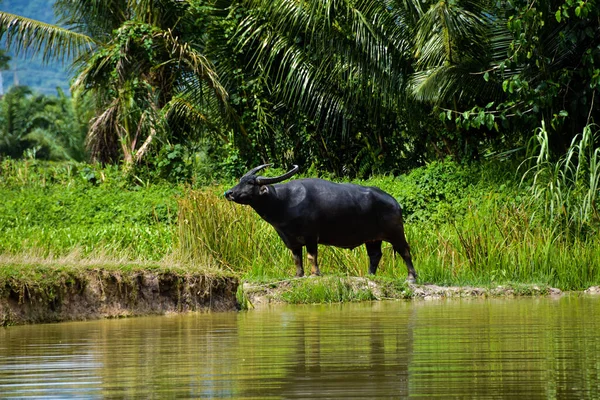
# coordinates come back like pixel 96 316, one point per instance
pixel 110 294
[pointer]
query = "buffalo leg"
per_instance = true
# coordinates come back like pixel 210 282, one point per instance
pixel 312 250
pixel 297 253
pixel 401 247
pixel 374 252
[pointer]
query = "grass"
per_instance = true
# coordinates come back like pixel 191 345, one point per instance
pixel 326 290
pixel 56 210
pixel 465 225
pixel 491 242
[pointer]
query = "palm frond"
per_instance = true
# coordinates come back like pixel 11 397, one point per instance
pixel 35 37
pixel 102 140
pixel 95 18
pixel 186 55
pixel 328 57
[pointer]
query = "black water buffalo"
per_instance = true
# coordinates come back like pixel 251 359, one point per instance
pixel 306 212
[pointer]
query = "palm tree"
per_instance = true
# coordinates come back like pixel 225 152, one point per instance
pixel 138 60
pixel 454 42
pixel 341 63
pixel 14 112
pixel 40 126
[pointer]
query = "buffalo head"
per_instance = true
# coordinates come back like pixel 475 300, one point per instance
pixel 251 186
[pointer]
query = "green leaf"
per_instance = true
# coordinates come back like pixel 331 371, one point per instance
pixel 558 16
pixel 489 121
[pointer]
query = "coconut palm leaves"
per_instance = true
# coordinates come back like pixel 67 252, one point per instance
pixel 51 41
pixel 138 78
pixel 455 42
pixel 134 57
pixel 328 57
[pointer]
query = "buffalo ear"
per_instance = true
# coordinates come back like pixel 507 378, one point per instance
pixel 263 190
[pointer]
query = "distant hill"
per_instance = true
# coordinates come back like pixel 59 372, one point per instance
pixel 41 77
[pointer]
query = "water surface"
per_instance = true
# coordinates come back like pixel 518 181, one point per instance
pixel 498 348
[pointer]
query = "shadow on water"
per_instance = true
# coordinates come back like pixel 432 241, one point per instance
pixel 497 348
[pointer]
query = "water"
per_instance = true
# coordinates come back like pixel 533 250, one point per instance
pixel 508 348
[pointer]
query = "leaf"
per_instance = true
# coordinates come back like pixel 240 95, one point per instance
pixel 558 16
pixel 489 121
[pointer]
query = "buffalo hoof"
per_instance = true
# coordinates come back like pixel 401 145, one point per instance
pixel 411 279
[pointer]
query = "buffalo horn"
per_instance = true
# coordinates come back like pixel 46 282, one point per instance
pixel 261 180
pixel 256 169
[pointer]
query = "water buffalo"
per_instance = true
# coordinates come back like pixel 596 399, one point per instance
pixel 306 212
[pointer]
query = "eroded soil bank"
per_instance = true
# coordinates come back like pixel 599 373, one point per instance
pixel 54 294
pixel 98 293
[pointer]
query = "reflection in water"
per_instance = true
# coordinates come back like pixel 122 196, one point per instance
pixel 527 348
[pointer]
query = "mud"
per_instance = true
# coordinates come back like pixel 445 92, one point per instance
pixel 111 294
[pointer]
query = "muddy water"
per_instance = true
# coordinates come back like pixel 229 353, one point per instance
pixel 510 348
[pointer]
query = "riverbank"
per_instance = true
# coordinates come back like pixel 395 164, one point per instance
pixel 54 292
pixel 57 292
pixel 335 289
pixel 466 225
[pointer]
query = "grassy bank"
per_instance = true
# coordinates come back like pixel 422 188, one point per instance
pixel 338 289
pixel 466 226
pixel 45 290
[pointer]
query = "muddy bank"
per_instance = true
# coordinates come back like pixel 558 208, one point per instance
pixel 97 293
pixel 335 289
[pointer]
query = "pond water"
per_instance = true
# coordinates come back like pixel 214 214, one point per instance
pixel 494 348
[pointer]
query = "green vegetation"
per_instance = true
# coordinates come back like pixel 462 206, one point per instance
pixel 55 210
pixel 485 237
pixel 43 127
pixel 467 226
pixel 479 116
pixel 352 88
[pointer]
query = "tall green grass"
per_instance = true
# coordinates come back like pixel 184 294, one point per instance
pixel 491 241
pixel 565 192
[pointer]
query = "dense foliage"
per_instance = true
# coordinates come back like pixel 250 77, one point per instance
pixel 43 127
pixel 348 87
